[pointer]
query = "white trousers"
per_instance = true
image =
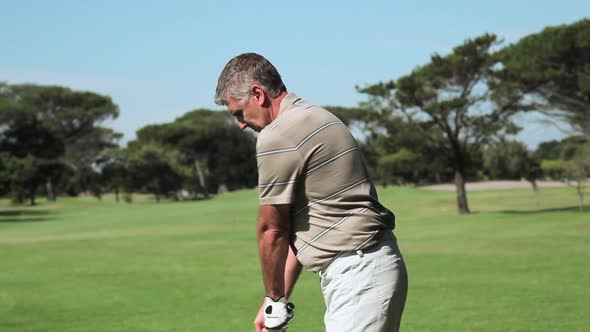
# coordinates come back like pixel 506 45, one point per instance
pixel 365 291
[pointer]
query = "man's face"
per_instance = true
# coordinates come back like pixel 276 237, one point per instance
pixel 249 113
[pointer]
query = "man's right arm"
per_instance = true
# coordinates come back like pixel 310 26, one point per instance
pixel 292 272
pixel 274 226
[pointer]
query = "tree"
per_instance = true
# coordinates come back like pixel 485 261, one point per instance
pixel 89 181
pixel 403 166
pixel 212 145
pixel 574 171
pixel 114 175
pixel 59 128
pixel 448 102
pixel 564 149
pixel 553 67
pixel 508 159
pixel 21 176
pixel 577 172
pixel 155 168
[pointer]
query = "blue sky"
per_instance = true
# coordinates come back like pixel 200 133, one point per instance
pixel 160 59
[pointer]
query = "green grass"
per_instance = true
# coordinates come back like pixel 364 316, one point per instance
pixel 82 265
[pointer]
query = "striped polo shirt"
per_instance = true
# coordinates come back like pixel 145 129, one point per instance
pixel 308 158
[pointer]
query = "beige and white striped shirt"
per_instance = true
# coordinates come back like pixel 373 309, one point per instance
pixel 308 158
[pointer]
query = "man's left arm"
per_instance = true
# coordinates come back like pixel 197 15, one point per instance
pixel 292 271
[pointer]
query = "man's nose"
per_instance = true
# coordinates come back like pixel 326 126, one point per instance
pixel 242 125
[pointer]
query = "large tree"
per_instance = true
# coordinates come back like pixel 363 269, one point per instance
pixel 58 127
pixel 210 143
pixel 19 176
pixel 553 67
pixel 155 168
pixel 448 102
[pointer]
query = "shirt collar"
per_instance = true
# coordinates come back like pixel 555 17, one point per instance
pixel 288 102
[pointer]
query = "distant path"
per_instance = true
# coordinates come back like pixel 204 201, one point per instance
pixel 496 185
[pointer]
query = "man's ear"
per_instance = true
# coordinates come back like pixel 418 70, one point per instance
pixel 258 94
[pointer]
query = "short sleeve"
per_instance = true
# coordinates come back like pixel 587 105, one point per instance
pixel 279 168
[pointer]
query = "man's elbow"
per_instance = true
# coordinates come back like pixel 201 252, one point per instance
pixel 272 232
pixel 274 223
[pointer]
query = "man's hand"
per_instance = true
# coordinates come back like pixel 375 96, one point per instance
pixel 259 321
pixel 276 318
pixel 277 314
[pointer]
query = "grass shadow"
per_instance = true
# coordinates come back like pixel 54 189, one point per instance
pixel 24 215
pixel 194 199
pixel 576 208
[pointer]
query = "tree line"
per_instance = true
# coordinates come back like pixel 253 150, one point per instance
pixel 451 119
pixel 461 105
pixel 53 140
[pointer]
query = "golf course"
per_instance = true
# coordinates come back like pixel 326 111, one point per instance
pixel 519 262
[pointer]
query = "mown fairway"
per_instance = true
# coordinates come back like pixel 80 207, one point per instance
pixel 84 265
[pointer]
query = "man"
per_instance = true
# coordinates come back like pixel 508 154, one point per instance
pixel 318 207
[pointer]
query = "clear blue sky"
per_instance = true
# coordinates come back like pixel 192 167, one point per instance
pixel 160 59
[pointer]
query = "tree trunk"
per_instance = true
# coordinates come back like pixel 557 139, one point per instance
pixel 157 193
pixel 117 195
pixel 201 179
pixel 19 197
pixel 32 196
pixel 537 190
pixel 459 165
pixel 462 205
pixel 49 189
pixel 580 190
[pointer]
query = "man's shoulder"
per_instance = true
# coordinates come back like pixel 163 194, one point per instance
pixel 267 138
pixel 301 117
pixel 272 139
pixel 294 126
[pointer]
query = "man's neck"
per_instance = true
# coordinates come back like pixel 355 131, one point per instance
pixel 276 105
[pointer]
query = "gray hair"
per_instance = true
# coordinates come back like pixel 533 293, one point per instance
pixel 241 72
